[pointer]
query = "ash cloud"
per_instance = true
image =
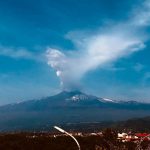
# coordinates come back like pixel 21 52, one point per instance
pixel 95 50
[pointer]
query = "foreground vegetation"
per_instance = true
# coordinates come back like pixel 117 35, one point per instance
pixel 47 141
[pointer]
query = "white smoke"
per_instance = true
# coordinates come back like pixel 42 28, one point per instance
pixel 96 50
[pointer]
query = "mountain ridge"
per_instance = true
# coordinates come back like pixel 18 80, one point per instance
pixel 67 107
pixel 76 96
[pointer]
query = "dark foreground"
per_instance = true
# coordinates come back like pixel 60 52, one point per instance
pixel 47 141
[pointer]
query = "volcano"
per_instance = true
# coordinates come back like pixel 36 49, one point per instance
pixel 67 107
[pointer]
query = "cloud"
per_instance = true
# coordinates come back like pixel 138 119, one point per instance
pixel 18 53
pixel 95 50
pixel 146 79
pixel 12 52
pixel 141 15
pixel 138 67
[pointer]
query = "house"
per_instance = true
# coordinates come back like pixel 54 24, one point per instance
pixel 144 136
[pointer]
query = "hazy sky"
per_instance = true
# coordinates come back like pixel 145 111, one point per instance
pixel 100 46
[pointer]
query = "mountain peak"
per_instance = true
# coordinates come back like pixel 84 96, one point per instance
pixel 78 96
pixel 71 93
pixel 75 92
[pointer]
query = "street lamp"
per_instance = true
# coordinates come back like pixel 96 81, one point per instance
pixel 63 131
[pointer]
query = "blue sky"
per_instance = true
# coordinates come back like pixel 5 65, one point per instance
pixel 77 30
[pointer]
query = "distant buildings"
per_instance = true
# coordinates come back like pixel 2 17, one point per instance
pixel 125 137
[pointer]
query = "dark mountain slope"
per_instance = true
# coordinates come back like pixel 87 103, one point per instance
pixel 67 107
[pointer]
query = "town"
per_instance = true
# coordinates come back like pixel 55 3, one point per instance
pixel 103 140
